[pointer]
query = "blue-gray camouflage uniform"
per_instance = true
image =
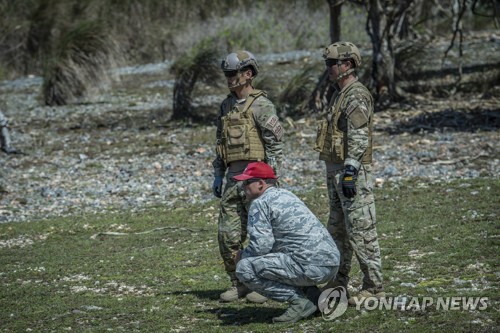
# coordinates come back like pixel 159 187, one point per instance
pixel 288 248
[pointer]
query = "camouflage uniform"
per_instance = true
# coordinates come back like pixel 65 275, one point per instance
pixel 5 143
pixel 352 221
pixel 233 218
pixel 288 247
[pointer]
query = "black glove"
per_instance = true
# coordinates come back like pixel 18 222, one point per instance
pixel 349 181
pixel 217 186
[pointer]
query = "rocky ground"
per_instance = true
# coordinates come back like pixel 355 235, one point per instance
pixel 121 152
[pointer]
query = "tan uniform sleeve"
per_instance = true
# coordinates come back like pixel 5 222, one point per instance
pixel 358 112
pixel 271 130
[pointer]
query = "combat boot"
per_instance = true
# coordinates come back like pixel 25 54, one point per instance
pixel 313 293
pixel 334 284
pixel 255 297
pixel 298 309
pixel 238 290
pixel 364 296
pixel 5 143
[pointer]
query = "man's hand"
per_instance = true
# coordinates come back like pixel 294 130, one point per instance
pixel 349 181
pixel 217 186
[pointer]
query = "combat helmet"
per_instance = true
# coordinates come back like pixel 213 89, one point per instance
pixel 238 60
pixel 343 51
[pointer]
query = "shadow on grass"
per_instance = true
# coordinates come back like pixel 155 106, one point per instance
pixel 212 295
pixel 237 313
pixel 230 315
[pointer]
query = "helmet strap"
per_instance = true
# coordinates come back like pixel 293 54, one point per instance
pixel 239 83
pixel 345 74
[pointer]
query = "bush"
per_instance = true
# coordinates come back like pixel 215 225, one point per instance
pixel 81 61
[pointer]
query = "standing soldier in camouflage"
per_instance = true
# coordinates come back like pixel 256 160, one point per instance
pixel 288 249
pixel 344 142
pixel 248 129
pixel 5 143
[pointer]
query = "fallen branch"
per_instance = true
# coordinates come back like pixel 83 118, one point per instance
pixel 457 160
pixel 113 233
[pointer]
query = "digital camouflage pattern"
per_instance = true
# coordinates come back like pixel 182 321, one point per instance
pixel 350 115
pixel 233 205
pixel 358 110
pixel 266 120
pixel 352 222
pixel 232 224
pixel 281 222
pixel 288 247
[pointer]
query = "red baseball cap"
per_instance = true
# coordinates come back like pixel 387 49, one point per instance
pixel 256 170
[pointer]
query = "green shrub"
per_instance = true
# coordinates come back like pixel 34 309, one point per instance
pixel 81 61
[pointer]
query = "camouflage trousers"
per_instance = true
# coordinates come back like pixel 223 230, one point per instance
pixel 278 277
pixel 352 224
pixel 232 224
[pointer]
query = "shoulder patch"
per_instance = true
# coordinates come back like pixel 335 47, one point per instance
pixel 357 116
pixel 273 124
pixel 254 218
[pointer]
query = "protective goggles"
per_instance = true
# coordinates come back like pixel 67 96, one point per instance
pixel 332 62
pixel 230 73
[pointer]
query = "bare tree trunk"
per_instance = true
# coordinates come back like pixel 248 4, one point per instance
pixel 459 7
pixel 388 24
pixel 391 27
pixel 183 88
pixel 378 27
pixel 323 91
pixel 335 12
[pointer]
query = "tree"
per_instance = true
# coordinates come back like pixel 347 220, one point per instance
pixel 387 22
pixel 392 28
pixel 196 65
pixel 79 64
pixel 323 91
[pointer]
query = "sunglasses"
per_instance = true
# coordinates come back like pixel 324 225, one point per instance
pixel 230 73
pixel 250 181
pixel 332 62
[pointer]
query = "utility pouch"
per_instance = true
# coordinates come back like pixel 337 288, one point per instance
pixel 219 148
pixel 337 136
pixel 321 135
pixel 236 136
pixel 338 147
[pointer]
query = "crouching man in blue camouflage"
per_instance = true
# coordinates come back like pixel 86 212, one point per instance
pixel 288 250
pixel 344 142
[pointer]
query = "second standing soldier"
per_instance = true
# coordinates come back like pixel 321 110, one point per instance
pixel 345 144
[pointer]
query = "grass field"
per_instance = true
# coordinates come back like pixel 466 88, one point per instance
pixel 161 270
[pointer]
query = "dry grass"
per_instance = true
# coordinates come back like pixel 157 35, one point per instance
pixel 159 271
pixel 81 63
pixel 198 65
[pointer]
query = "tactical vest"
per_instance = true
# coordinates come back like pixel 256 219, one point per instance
pixel 241 139
pixel 331 142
